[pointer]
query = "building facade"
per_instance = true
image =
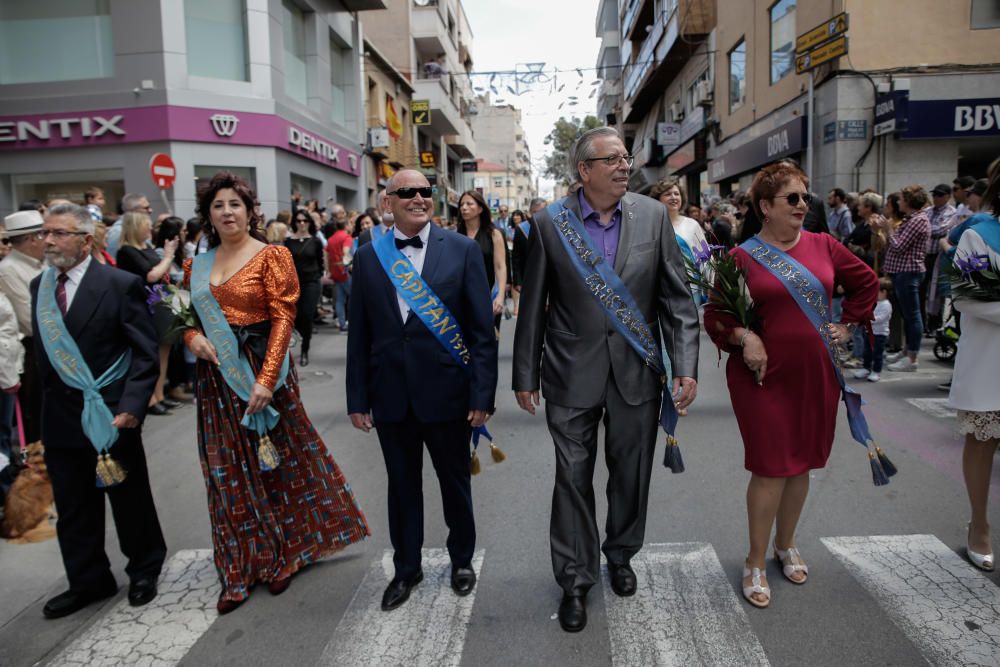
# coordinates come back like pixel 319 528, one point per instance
pixel 500 142
pixel 910 102
pixel 430 43
pixel 392 140
pixel 270 89
pixel 655 66
pixel 708 91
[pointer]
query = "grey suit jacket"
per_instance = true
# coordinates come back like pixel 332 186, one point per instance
pixel 570 344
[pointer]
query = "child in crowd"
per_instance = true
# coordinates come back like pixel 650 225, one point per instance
pixel 874 352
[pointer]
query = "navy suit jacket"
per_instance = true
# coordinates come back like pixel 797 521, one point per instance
pixel 394 365
pixel 108 315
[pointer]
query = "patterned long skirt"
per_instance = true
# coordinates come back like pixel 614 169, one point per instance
pixel 268 525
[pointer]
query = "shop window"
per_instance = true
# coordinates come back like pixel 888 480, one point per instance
pixel 782 39
pixel 216 35
pixel 309 188
pixel 738 76
pixel 55 41
pixel 342 86
pixel 293 28
pixel 71 185
pixel 985 14
pixel 204 173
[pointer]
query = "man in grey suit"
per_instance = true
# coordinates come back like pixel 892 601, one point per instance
pixel 589 372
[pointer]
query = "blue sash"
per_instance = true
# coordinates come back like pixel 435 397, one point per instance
pixel 64 355
pixel 685 248
pixel 430 310
pixel 811 297
pixel 383 231
pixel 618 304
pixel 525 227
pixel 410 285
pixel 989 231
pixel 236 370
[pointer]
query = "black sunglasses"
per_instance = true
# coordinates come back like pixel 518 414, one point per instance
pixel 5 241
pixel 410 193
pixel 794 197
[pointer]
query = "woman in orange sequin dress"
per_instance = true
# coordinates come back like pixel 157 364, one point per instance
pixel 265 525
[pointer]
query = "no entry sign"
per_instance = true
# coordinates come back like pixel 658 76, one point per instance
pixel 162 170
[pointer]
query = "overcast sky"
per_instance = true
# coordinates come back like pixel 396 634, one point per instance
pixel 508 34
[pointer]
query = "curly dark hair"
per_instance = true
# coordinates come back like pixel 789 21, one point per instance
pixel 206 195
pixel 485 219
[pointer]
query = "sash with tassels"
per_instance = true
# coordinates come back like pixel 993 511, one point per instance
pixel 618 304
pixel 811 297
pixel 235 369
pixel 434 315
pixel 65 357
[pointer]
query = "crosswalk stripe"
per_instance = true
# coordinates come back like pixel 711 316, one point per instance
pixel 687 607
pixel 161 632
pixel 935 407
pixel 429 629
pixel 945 606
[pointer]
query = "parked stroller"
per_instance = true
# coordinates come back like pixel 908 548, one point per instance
pixel 946 340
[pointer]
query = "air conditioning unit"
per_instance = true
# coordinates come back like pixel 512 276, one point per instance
pixel 676 112
pixel 703 92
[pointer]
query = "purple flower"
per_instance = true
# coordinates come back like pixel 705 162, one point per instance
pixel 154 295
pixel 702 253
pixel 972 264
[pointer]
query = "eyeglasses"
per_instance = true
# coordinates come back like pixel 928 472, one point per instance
pixel 613 160
pixel 794 198
pixel 410 193
pixel 58 233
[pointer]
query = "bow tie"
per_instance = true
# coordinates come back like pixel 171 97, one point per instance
pixel 415 242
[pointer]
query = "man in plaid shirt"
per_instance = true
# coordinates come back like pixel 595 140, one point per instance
pixel 904 263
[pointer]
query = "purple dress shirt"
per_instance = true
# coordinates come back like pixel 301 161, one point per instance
pixel 605 237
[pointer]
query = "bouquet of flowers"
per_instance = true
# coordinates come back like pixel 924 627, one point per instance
pixel 974 277
pixel 178 301
pixel 716 273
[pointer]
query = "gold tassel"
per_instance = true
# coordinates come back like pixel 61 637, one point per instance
pixel 497 453
pixel 474 464
pixel 103 474
pixel 115 470
pixel 267 454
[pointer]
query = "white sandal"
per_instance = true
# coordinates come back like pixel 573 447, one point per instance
pixel 755 588
pixel 791 562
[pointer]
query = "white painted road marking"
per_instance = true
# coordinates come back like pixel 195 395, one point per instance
pixel 160 633
pixel 943 605
pixel 685 612
pixel 935 407
pixel 429 629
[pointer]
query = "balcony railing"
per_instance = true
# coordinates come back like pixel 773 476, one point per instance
pixel 635 73
pixel 630 15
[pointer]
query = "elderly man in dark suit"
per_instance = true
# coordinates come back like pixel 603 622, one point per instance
pixel 588 371
pixel 403 382
pixel 104 312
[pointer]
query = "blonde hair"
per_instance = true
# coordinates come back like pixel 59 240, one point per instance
pixel 276 233
pixel 134 224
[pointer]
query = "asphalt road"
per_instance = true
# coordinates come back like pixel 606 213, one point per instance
pixel 904 599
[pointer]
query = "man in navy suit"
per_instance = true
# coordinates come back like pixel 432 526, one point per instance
pixel 405 384
pixel 105 313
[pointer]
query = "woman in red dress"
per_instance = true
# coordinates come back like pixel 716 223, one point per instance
pixel 265 525
pixel 781 379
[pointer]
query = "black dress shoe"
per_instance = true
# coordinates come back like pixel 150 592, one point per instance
pixel 157 409
pixel 463 580
pixel 170 403
pixel 304 359
pixel 398 591
pixel 573 612
pixel 622 580
pixel 141 591
pixel 70 602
